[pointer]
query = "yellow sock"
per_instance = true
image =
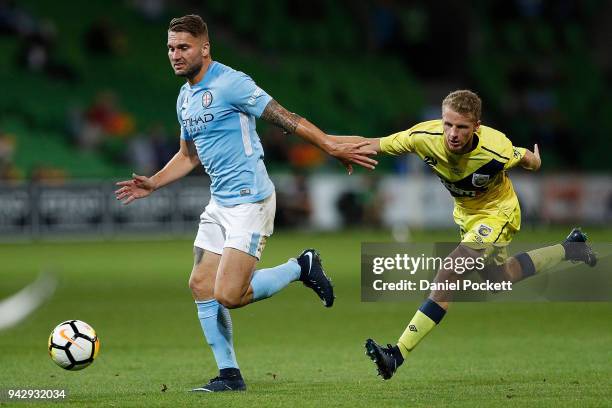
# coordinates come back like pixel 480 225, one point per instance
pixel 541 259
pixel 425 319
pixel 547 257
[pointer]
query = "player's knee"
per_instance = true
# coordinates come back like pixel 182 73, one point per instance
pixel 199 286
pixel 229 300
pixel 195 283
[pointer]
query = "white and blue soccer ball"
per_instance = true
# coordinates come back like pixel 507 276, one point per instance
pixel 73 345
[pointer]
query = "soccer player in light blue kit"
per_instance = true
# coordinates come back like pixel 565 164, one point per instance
pixel 216 110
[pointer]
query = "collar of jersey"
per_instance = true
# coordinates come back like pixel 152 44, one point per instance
pixel 204 79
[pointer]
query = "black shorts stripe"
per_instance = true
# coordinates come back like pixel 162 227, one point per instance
pixel 495 153
pixel 500 232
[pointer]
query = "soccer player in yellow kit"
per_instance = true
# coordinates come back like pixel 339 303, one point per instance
pixel 471 161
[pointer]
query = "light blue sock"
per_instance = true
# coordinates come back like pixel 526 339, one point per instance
pixel 267 282
pixel 217 326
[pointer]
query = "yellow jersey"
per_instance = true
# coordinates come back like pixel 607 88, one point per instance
pixel 477 180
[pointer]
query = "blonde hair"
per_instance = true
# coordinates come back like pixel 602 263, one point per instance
pixel 465 102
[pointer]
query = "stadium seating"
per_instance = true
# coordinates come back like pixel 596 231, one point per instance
pixel 317 62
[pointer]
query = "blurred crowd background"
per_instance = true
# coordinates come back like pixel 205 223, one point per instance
pixel 88 93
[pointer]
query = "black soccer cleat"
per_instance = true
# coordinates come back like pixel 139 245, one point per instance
pixel 387 359
pixel 313 276
pixel 576 248
pixel 223 384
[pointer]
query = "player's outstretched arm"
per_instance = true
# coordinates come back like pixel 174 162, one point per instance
pixel 347 153
pixel 531 160
pixel 185 160
pixel 372 143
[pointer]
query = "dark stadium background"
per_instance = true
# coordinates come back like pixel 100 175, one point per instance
pixel 88 96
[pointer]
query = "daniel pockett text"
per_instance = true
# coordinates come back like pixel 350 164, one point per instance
pixel 406 272
pixel 410 265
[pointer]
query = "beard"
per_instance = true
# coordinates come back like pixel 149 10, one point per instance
pixel 191 71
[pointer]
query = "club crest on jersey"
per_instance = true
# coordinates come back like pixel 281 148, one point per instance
pixel 480 180
pixel 484 230
pixel 207 99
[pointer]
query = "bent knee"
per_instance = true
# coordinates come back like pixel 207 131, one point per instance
pixel 229 300
pixel 196 284
pixel 200 288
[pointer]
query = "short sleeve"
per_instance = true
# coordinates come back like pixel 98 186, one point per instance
pixel 246 96
pixel 517 155
pixel 179 105
pixel 184 134
pixel 397 143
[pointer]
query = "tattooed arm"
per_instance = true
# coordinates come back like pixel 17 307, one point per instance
pixel 347 153
pixel 281 117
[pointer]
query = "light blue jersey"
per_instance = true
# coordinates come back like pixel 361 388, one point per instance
pixel 218 114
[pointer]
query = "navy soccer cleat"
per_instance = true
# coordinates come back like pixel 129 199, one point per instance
pixel 222 384
pixel 313 276
pixel 576 248
pixel 387 359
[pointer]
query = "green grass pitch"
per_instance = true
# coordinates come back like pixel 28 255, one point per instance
pixel 292 351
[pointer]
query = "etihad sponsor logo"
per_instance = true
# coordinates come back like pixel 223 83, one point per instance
pixel 199 120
